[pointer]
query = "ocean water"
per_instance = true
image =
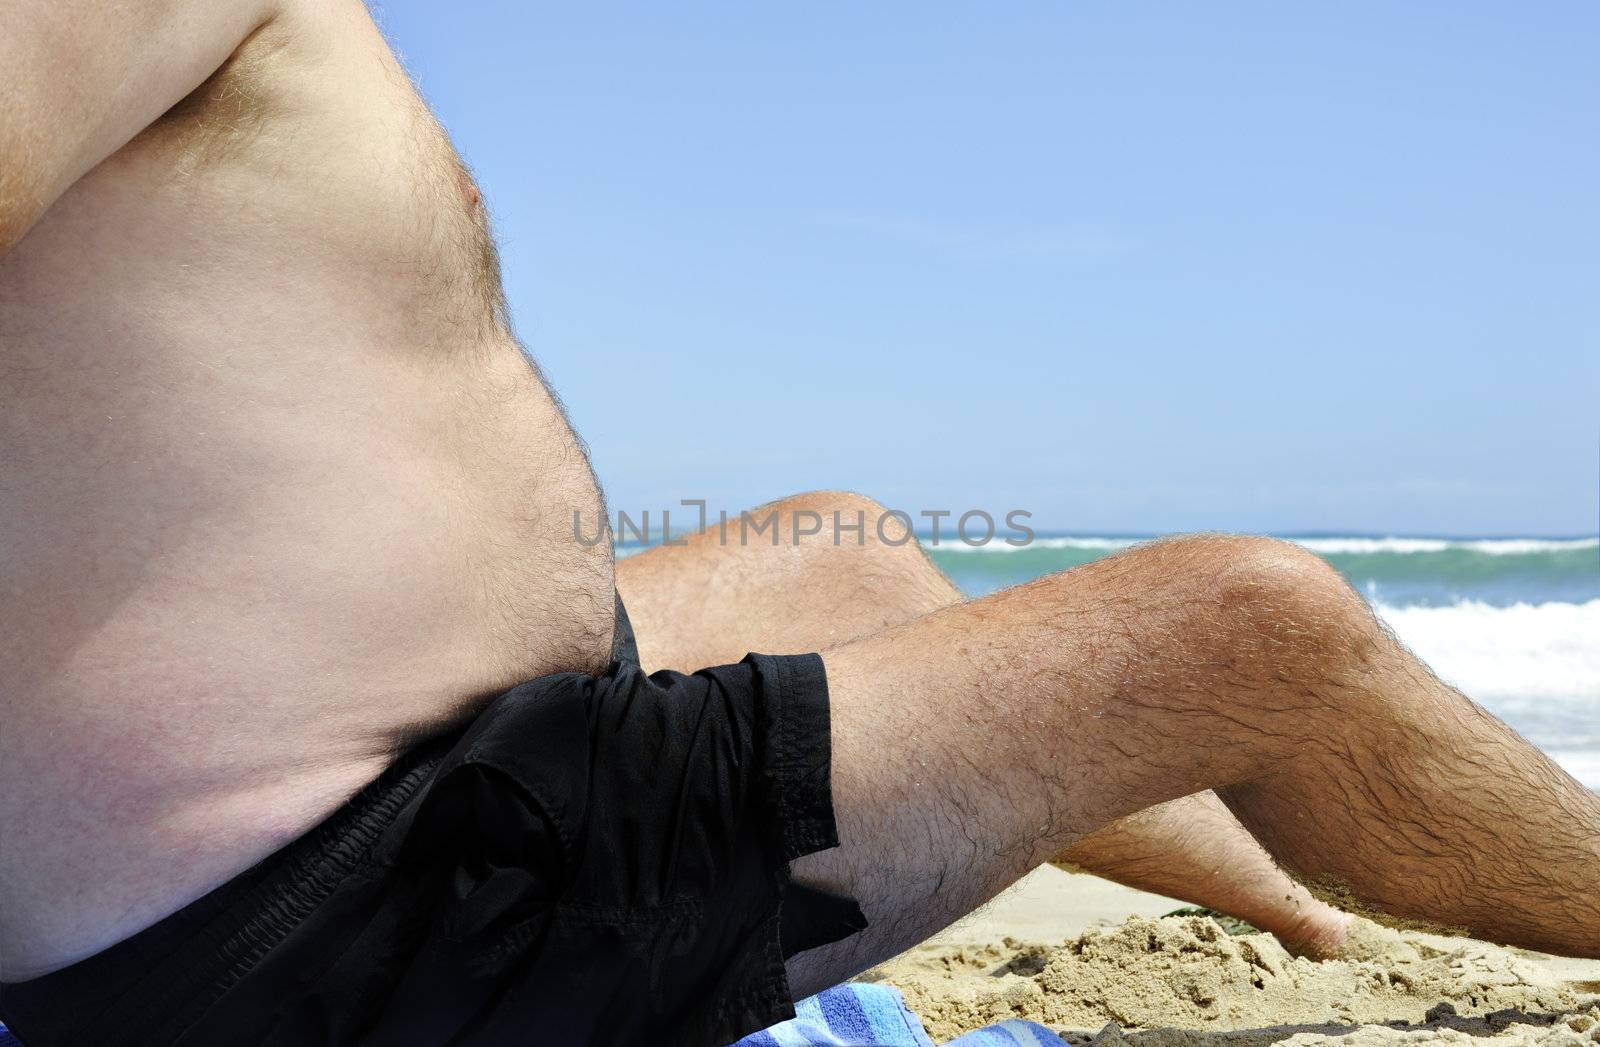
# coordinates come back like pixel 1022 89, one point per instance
pixel 1513 622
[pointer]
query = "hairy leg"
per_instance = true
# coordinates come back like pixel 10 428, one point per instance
pixel 710 601
pixel 977 742
pixel 1194 848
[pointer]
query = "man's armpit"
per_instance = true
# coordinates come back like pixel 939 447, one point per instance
pixel 79 79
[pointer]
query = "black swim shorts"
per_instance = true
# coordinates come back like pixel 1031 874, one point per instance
pixel 592 860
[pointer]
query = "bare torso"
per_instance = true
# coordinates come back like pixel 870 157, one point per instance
pixel 278 491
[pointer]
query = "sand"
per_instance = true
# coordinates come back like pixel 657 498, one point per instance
pixel 1060 950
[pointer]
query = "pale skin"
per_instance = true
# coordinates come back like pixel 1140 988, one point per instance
pixel 279 494
pixel 278 490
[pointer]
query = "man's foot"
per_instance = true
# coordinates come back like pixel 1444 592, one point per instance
pixel 1322 933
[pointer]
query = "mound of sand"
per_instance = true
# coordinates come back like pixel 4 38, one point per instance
pixel 1184 982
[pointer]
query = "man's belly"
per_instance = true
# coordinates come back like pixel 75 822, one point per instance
pixel 237 576
pixel 328 534
pixel 277 492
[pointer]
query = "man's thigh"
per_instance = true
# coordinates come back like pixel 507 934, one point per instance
pixel 975 743
pixel 716 597
pixel 970 741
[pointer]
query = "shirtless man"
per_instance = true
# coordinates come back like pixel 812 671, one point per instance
pixel 284 510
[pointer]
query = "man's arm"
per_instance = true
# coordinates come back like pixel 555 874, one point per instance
pixel 79 78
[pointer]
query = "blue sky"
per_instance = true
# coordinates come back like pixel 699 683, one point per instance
pixel 1143 268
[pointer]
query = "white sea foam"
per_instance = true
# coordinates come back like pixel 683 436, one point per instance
pixel 1491 546
pixel 1582 764
pixel 1330 546
pixel 1534 665
pixel 1525 653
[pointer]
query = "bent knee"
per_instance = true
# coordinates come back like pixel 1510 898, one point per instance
pixel 849 543
pixel 1284 581
pixel 837 519
pixel 1268 604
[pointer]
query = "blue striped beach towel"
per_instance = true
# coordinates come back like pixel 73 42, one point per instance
pixel 857 1015
pixel 861 1015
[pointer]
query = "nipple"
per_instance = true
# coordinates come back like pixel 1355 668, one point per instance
pixel 469 189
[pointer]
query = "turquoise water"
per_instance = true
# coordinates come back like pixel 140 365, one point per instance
pixel 1399 572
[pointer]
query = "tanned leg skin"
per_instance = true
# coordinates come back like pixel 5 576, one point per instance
pixel 984 738
pixel 712 600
